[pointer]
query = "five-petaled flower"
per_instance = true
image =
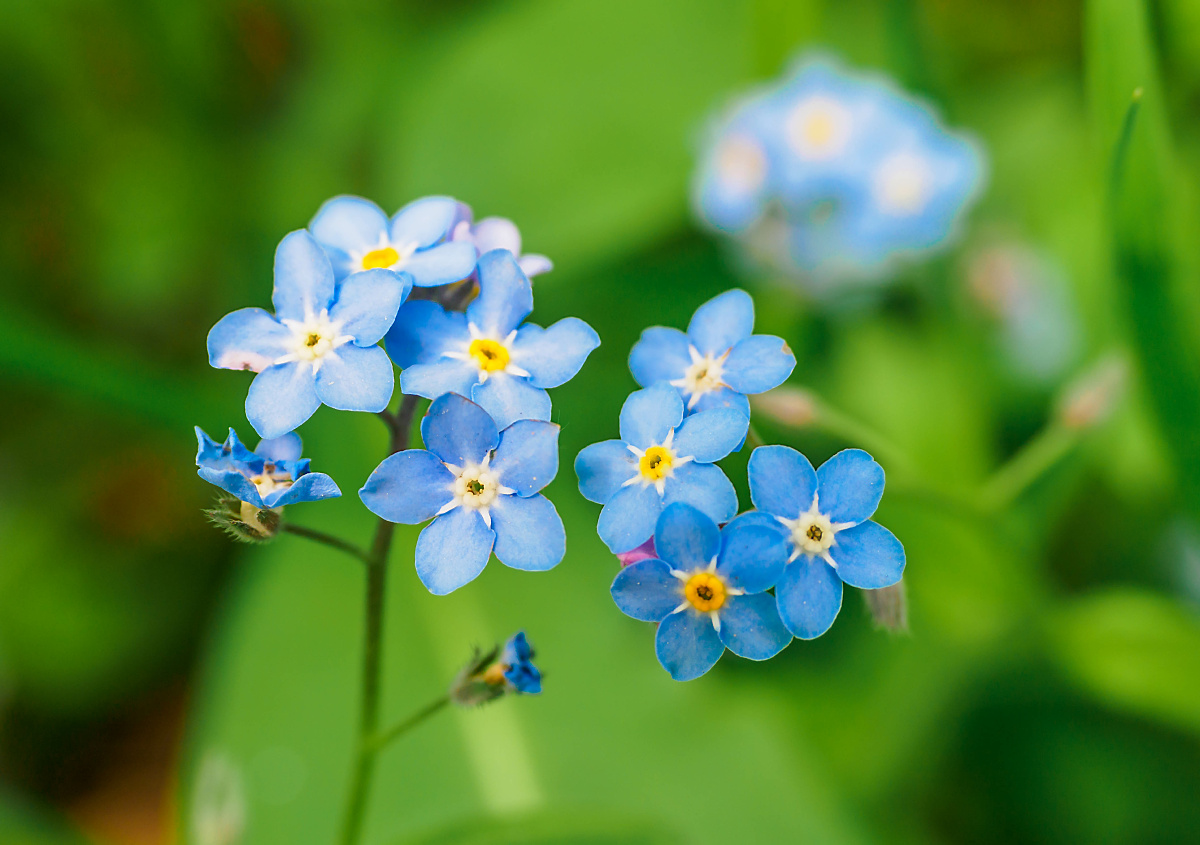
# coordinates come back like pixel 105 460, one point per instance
pixel 822 518
pixel 657 462
pixel 718 361
pixel 497 233
pixel 480 487
pixel 707 591
pixel 514 667
pixel 486 354
pixel 319 347
pixel 271 476
pixel 357 236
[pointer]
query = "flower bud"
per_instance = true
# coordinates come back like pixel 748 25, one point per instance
pixel 792 406
pixel 889 607
pixel 488 676
pixel 1090 400
pixel 243 521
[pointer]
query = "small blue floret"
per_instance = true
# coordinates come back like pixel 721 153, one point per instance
pixel 271 476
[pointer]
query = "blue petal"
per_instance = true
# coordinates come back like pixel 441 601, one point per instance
pixel 232 481
pixel 849 486
pixel 529 532
pixel 367 303
pixel 534 265
pixel 505 295
pixel 527 458
pixel 722 397
pixel 647 590
pixel 754 551
pixel 458 431
pixel 511 398
pixel 439 378
pixel 345 225
pixel 628 519
pixel 704 487
pixel 686 645
pixel 758 364
pixel 660 355
pixel 553 356
pixel 649 415
pixel 247 339
pixel 303 277
pixel 809 596
pixel 721 322
pixel 686 538
pixel 440 265
pixel 496 233
pixel 711 435
pixel 751 627
pixel 425 331
pixel 453 550
pixel 354 378
pixel 408 487
pixel 426 221
pixel 868 556
pixel 310 487
pixel 782 481
pixel 602 468
pixel 286 448
pixel 281 398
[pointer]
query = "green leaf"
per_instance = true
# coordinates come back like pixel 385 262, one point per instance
pixel 552 828
pixel 23 824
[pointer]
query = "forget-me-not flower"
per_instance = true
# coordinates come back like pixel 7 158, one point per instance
pixel 486 354
pixel 718 361
pixel 822 518
pixel 319 347
pixel 480 487
pixel 497 233
pixel 661 458
pixel 707 591
pixel 271 476
pixel 515 666
pixel 357 236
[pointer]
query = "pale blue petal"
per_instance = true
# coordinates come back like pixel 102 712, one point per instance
pixel 408 487
pixel 648 415
pixel 721 322
pixel 553 356
pixel 602 468
pixel 234 482
pixel 849 486
pixel 758 364
pixel 754 551
pixel 661 354
pixel 440 265
pixel 354 378
pixel 529 532
pixel 310 487
pixel 511 398
pixel 704 487
pixel 496 233
pixel 710 435
pixel 211 453
pixel 527 458
pixel 439 378
pixel 722 397
pixel 868 556
pixel 533 264
pixel 505 295
pixel 751 627
pixel 647 590
pixel 628 519
pixel 247 339
pixel 458 431
pixel 686 538
pixel 453 550
pixel 809 596
pixel 367 303
pixel 303 277
pixel 425 331
pixel 782 481
pixel 281 398
pixel 424 221
pixel 687 645
pixel 345 225
pixel 286 448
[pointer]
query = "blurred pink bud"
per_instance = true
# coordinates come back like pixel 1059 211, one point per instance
pixel 642 552
pixel 1090 399
pixel 792 406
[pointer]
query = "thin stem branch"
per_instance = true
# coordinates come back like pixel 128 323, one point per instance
pixel 328 539
pixel 1034 459
pixel 386 737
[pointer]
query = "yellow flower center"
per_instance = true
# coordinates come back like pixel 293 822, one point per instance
pixel 491 354
pixel 819 129
pixel 705 591
pixel 380 258
pixel 656 463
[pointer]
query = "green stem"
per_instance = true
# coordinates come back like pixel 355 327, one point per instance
pixel 753 438
pixel 847 428
pixel 1034 459
pixel 385 738
pixel 1121 150
pixel 328 539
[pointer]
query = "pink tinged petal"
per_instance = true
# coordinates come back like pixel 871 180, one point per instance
pixel 247 339
pixel 534 265
pixel 496 233
pixel 643 552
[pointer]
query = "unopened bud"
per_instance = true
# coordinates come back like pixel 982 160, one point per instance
pixel 218 803
pixel 1090 400
pixel 792 406
pixel 501 670
pixel 243 521
pixel 889 607
pixel 643 552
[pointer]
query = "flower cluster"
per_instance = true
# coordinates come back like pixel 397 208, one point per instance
pixel 689 563
pixel 829 174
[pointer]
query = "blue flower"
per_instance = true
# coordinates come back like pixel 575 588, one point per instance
pixel 497 233
pixel 516 661
pixel 480 487
pixel 357 236
pixel 707 592
pixel 319 347
pixel 486 354
pixel 737 168
pixel 271 476
pixel 657 462
pixel 718 361
pixel 822 518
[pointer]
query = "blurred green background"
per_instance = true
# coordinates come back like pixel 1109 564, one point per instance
pixel 154 154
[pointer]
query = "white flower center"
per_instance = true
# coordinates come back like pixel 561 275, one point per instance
pixel 818 128
pixel 903 184
pixel 813 533
pixel 741 164
pixel 702 375
pixel 490 354
pixel 475 487
pixel 270 480
pixel 656 464
pixel 312 339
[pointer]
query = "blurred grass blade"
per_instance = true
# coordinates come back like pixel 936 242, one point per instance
pixel 549 829
pixel 1121 151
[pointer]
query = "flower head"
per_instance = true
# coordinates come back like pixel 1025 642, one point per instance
pixel 718 361
pixel 502 670
pixel 318 347
pixel 661 458
pixel 357 236
pixel 272 476
pixel 821 518
pixel 516 665
pixel 497 233
pixel 486 353
pixel 480 487
pixel 706 590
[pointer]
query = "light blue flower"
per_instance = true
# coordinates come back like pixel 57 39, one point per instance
pixel 707 591
pixel 480 487
pixel 271 476
pixel 486 354
pixel 497 233
pixel 822 518
pixel 319 347
pixel 357 236
pixel 659 461
pixel 737 169
pixel 516 661
pixel 718 361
